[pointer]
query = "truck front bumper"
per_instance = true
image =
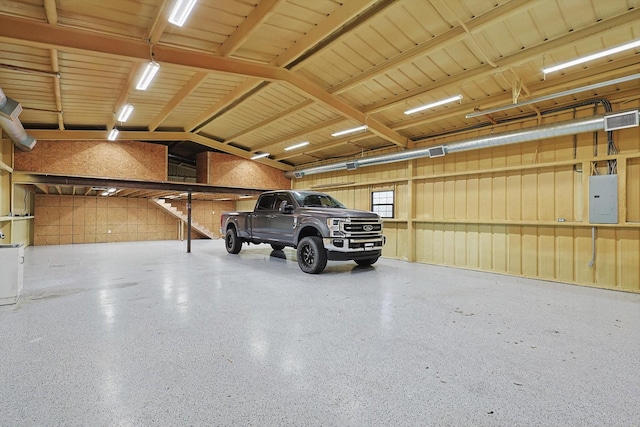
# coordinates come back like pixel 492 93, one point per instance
pixel 347 249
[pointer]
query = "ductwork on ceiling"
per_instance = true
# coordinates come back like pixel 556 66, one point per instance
pixel 10 109
pixel 571 127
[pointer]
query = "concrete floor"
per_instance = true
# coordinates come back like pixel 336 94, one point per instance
pixel 125 334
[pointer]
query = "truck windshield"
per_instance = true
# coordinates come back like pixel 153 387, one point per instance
pixel 316 200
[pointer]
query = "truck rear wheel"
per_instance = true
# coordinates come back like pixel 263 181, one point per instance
pixel 232 242
pixel 312 257
pixel 366 262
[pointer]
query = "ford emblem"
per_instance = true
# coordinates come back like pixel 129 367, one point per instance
pixel 368 227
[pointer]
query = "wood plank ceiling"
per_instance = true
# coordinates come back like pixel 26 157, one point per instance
pixel 257 76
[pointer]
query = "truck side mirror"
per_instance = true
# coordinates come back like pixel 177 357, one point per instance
pixel 285 208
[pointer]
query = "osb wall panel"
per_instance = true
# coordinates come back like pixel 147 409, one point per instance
pixel 205 212
pixel 63 220
pixel 232 171
pixel 122 159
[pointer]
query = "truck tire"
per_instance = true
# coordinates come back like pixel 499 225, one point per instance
pixel 277 247
pixel 366 262
pixel 312 257
pixel 232 242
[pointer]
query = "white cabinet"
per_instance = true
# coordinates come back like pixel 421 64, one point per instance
pixel 11 273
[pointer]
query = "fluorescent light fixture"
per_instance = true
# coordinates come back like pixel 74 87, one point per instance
pixel 434 104
pixel 344 132
pixel 113 134
pixel 260 156
pixel 111 190
pixel 104 193
pixel 591 57
pixel 300 145
pixel 125 113
pixel 148 75
pixel 181 11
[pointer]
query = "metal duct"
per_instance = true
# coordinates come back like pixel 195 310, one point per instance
pixel 10 124
pixel 551 130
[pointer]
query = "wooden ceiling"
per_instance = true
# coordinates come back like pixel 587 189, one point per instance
pixel 253 76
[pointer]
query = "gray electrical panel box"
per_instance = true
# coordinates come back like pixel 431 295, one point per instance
pixel 603 199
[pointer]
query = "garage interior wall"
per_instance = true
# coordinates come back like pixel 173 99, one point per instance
pixel 518 209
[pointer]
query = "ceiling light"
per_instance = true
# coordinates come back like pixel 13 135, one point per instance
pixel 591 57
pixel 125 113
pixel 434 104
pixel 181 11
pixel 148 75
pixel 260 156
pixel 344 132
pixel 111 190
pixel 113 134
pixel 300 145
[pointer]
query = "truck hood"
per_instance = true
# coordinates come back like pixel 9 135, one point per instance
pixel 336 213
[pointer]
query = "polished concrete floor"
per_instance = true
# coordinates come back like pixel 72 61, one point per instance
pixel 144 334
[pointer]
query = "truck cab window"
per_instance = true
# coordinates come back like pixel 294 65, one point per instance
pixel 266 202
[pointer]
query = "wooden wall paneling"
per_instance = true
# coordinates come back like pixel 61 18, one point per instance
pixel 473 197
pixel 472 257
pixel 629 260
pixel 529 195
pixel 448 198
pixel 460 245
pixel 621 168
pixel 514 243
pixel 546 252
pixel 390 248
pixel 421 242
pixel 633 190
pixel 449 244
pixel 530 251
pixel 514 195
pixel 460 198
pixel 564 194
pixel 437 246
pixel 564 254
pixel 438 199
pixel 546 196
pixel 486 247
pixel 499 197
pixel 605 266
pixel 500 248
pixel 485 197
pixel 582 249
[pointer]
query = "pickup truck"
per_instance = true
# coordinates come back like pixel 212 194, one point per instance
pixel 318 226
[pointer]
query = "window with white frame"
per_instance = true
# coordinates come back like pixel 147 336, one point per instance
pixel 382 203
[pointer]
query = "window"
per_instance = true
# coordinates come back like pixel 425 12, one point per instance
pixel 266 202
pixel 382 203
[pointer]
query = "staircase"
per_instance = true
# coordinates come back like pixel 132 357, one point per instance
pixel 183 217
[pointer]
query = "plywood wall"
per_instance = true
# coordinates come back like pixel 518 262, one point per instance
pixel 520 209
pixel 206 212
pixel 76 219
pixel 117 159
pixel 227 170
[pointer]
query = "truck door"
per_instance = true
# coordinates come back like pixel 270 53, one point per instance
pixel 281 224
pixel 260 216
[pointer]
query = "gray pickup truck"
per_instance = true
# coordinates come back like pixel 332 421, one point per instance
pixel 318 226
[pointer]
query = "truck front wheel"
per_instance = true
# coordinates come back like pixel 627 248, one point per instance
pixel 232 242
pixel 312 257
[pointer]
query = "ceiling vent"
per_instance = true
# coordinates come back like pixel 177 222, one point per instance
pixel 352 166
pixel 436 151
pixel 625 119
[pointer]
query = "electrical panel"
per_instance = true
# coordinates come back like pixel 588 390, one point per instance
pixel 603 199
